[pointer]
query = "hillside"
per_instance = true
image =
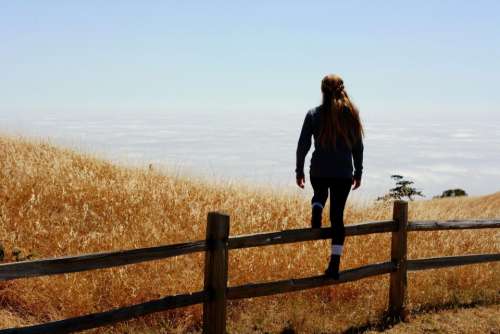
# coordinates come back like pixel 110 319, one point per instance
pixel 56 202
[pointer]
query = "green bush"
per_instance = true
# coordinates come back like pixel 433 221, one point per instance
pixel 402 190
pixel 452 193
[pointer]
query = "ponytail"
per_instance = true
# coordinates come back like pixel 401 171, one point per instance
pixel 340 116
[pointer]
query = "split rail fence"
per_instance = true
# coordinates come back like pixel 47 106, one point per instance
pixel 216 246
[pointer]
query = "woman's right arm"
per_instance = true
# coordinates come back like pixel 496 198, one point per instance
pixel 357 157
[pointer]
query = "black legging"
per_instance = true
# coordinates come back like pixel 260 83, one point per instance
pixel 339 191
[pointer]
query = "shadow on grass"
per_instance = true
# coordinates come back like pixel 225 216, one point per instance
pixel 387 321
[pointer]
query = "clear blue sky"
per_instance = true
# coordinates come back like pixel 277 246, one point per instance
pixel 398 58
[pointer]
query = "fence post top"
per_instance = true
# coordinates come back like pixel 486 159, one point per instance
pixel 217 225
pixel 217 213
pixel 400 204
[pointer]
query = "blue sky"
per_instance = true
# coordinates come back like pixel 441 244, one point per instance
pixel 425 59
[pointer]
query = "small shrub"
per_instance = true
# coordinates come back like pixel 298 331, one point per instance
pixel 452 193
pixel 401 190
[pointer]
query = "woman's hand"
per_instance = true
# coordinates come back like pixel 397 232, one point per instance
pixel 301 181
pixel 356 182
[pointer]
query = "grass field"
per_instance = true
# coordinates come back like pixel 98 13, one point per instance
pixel 56 202
pixel 478 319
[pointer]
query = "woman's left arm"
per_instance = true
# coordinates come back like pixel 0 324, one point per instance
pixel 303 145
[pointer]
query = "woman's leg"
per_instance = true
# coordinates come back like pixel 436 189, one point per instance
pixel 339 191
pixel 318 201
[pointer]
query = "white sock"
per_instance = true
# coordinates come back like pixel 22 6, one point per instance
pixel 337 249
pixel 317 204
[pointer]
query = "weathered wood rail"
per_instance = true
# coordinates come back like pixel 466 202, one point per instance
pixel 216 246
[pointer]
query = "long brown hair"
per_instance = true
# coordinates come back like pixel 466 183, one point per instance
pixel 340 115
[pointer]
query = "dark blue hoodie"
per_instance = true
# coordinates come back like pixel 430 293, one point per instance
pixel 327 162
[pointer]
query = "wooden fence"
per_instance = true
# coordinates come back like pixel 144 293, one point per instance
pixel 216 246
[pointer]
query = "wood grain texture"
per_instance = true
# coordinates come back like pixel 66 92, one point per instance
pixel 216 271
pixel 434 225
pixel 272 288
pixel 71 264
pixel 447 261
pixel 399 248
pixel 306 234
pixel 109 317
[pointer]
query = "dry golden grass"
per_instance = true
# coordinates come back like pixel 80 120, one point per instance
pixel 476 320
pixel 56 202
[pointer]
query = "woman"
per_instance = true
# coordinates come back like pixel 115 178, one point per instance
pixel 338 132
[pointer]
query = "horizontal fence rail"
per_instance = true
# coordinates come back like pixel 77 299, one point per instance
pixel 450 261
pixel 216 246
pixel 272 288
pixel 306 234
pixel 109 317
pixel 434 225
pixel 71 264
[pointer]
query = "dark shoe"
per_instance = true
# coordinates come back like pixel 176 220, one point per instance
pixel 333 267
pixel 317 212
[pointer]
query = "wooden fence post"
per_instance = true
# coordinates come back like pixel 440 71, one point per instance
pixel 216 266
pixel 397 292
